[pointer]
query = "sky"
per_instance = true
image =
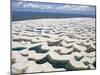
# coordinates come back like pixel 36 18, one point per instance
pixel 51 7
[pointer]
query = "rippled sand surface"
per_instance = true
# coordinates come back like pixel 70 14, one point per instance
pixel 46 45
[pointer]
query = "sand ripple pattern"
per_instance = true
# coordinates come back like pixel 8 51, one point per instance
pixel 46 45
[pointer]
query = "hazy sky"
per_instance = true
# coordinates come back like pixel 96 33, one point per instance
pixel 52 7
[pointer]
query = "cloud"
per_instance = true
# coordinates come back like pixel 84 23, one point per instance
pixel 19 3
pixel 33 5
pixel 30 5
pixel 63 7
pixel 53 7
pixel 73 7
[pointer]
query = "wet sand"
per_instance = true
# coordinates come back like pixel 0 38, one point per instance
pixel 46 45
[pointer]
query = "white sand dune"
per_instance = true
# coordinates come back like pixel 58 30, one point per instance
pixel 46 45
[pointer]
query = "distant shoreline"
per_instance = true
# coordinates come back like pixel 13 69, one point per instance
pixel 51 18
